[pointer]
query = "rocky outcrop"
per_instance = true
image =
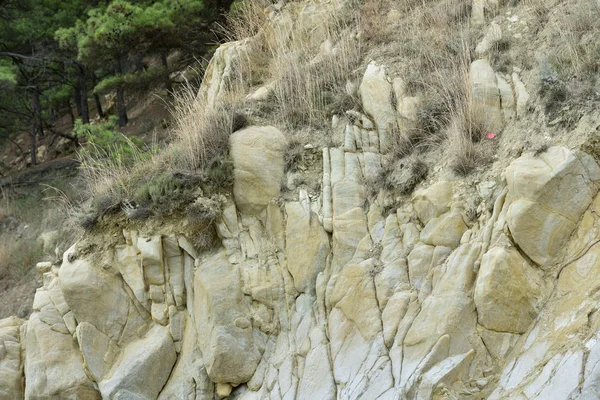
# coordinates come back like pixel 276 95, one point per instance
pixel 515 307
pixel 539 190
pixel 416 304
pixel 495 98
pixel 11 366
pixel 226 68
pixel 334 294
pixel 258 156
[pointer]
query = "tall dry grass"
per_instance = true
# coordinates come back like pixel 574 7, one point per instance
pixel 577 39
pixel 305 58
pixel 202 131
pixel 435 54
pixel 307 61
pixel 246 19
pixel 309 64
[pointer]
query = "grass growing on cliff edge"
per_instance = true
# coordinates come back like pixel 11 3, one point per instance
pixel 307 63
pixel 147 181
pixel 433 58
pixel 307 78
pixel 305 59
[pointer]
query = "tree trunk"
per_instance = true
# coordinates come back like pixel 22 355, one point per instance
pixel 139 65
pixel 38 115
pixel 83 98
pixel 33 129
pixel 97 98
pixel 122 110
pixel 71 112
pixel 77 94
pixel 163 59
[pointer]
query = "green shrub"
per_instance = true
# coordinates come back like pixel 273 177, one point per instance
pixel 219 172
pixel 293 156
pixel 552 88
pixel 167 192
pixel 136 81
pixel 103 141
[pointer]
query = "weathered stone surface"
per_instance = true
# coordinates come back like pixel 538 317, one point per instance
pixel 226 67
pixel 507 292
pixel 151 357
pixel 317 380
pixel 354 294
pixel 549 361
pixel 486 107
pixel 509 107
pixel 53 365
pixel 97 350
pixel 188 378
pixel 446 230
pixel 257 154
pixel 432 202
pixel 174 266
pixel 539 189
pixel 222 320
pixel 152 259
pixel 521 95
pixel 126 260
pixel 11 366
pixel 99 297
pixel 376 94
pixel 307 246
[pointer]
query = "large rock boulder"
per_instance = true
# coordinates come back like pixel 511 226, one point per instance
pixel 11 367
pixel 376 93
pixel 222 317
pixel 53 364
pixel 151 357
pixel 434 201
pixel 507 292
pixel 257 153
pixel 117 339
pixel 547 195
pixel 486 107
pixel 97 296
pixel 446 230
pixel 226 67
pixel 307 246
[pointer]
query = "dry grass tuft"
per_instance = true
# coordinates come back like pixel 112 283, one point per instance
pixel 202 132
pixel 140 184
pixel 576 34
pixel 310 69
pixel 246 19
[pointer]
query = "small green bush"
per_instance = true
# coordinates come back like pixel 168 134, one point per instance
pixel 552 88
pixel 293 156
pixel 167 192
pixel 136 81
pixel 219 172
pixel 103 141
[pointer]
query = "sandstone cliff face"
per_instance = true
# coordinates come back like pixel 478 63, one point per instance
pixel 333 295
pixel 421 303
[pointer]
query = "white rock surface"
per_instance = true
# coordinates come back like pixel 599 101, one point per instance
pixel 257 154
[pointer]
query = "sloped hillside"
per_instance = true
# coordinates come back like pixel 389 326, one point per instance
pixel 365 200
